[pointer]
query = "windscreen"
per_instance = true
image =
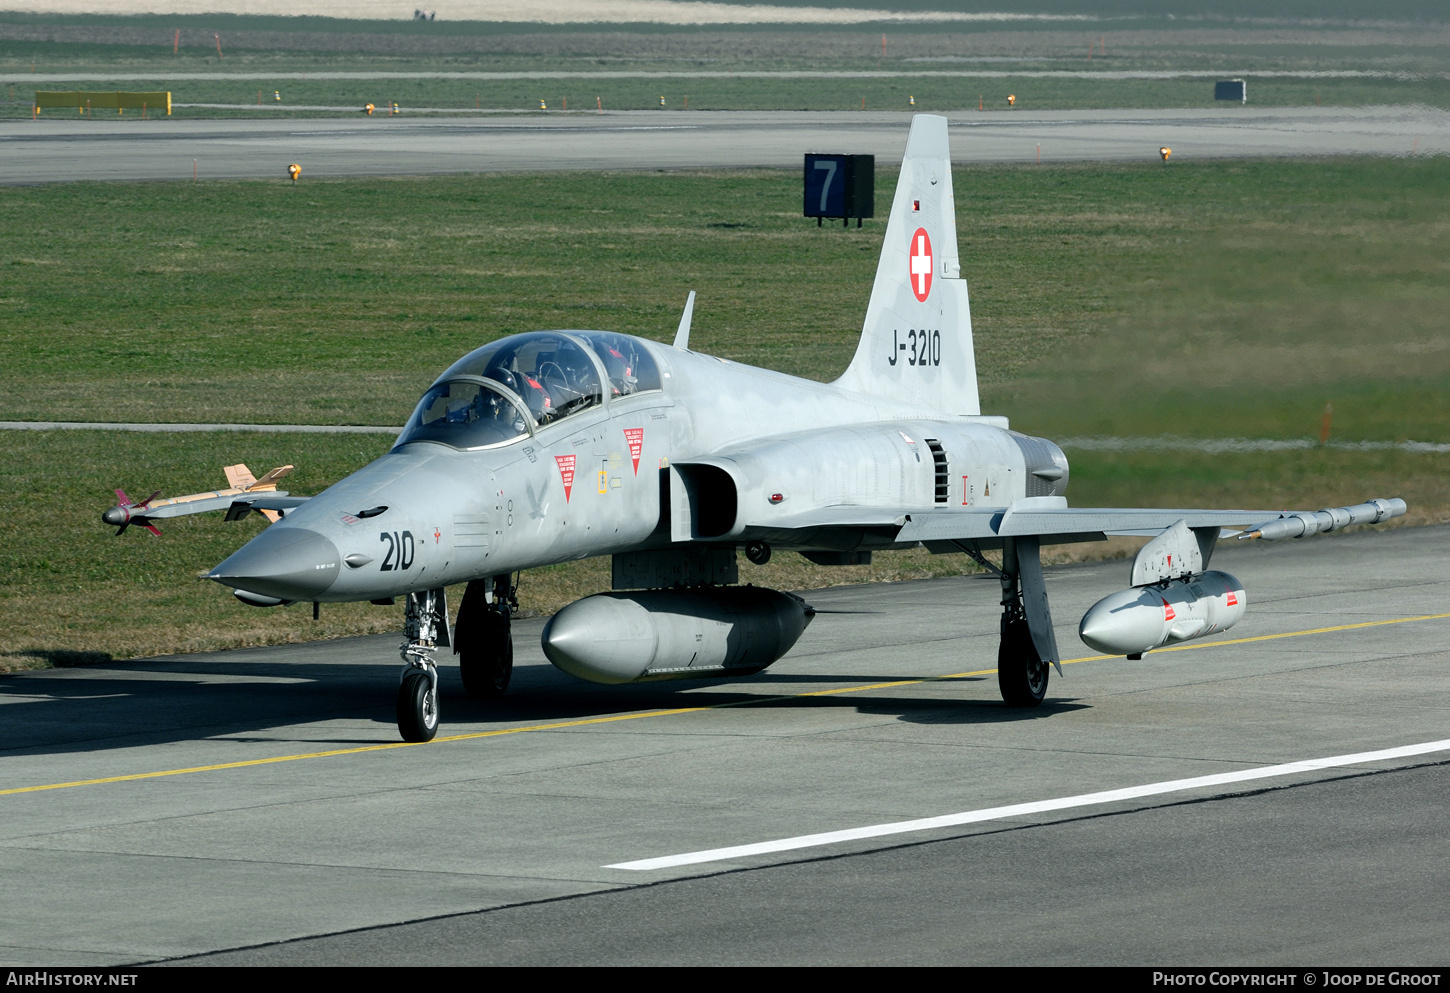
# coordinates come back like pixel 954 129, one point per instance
pixel 555 375
pixel 465 415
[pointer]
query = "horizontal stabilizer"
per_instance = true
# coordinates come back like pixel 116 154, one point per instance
pixel 269 481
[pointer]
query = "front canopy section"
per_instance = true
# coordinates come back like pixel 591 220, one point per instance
pixel 554 373
pixel 467 415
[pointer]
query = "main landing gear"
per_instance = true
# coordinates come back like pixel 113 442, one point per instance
pixel 1028 645
pixel 484 639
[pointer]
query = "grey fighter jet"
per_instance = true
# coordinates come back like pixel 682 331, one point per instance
pixel 549 446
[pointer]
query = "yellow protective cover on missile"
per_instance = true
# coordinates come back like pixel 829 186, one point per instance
pixel 104 99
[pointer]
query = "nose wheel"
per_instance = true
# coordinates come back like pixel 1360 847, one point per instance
pixel 418 706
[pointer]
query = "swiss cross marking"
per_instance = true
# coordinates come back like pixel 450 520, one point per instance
pixel 921 264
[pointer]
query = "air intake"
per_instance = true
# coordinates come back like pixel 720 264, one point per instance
pixel 939 459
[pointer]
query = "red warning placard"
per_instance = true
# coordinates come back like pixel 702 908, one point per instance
pixel 566 473
pixel 635 439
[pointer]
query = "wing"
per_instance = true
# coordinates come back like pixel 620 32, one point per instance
pixel 236 506
pixel 245 495
pixel 1051 521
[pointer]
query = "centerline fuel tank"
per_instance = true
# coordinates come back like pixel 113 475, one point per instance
pixel 674 634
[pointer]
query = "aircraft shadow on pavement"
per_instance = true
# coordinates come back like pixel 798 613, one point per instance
pixel 112 704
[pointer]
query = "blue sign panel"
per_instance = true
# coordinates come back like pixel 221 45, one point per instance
pixel 825 186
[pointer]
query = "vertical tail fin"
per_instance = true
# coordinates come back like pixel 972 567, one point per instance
pixel 916 344
pixel 239 476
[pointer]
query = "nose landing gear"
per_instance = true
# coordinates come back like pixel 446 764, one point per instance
pixel 425 626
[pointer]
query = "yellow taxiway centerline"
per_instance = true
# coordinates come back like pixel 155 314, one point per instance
pixel 584 722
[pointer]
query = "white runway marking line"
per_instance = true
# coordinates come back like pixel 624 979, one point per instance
pixel 1037 807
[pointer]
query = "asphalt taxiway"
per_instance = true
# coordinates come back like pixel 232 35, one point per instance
pixel 64 149
pixel 255 806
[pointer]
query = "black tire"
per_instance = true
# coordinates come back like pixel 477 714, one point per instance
pixel 1021 673
pixel 417 708
pixel 487 661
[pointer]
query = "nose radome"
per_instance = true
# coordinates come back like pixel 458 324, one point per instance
pixel 283 562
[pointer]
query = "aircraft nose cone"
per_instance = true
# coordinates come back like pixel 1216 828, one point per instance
pixel 287 563
pixel 115 516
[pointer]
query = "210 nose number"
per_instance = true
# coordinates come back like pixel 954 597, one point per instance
pixel 400 550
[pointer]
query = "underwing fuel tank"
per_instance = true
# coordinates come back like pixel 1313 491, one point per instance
pixel 1147 617
pixel 674 634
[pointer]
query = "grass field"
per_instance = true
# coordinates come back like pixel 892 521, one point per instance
pixel 1205 299
pixel 1412 56
pixel 931 94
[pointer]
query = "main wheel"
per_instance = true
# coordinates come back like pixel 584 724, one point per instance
pixel 1021 673
pixel 487 662
pixel 417 708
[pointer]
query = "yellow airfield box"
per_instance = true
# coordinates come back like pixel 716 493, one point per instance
pixel 103 100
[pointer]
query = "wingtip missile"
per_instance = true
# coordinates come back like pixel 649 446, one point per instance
pixel 239 499
pixel 124 513
pixel 1304 523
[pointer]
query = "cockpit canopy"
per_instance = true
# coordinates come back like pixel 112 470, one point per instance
pixel 629 368
pixel 466 414
pixel 500 392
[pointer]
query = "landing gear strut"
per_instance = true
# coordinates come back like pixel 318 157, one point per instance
pixel 425 628
pixel 1028 644
pixel 484 639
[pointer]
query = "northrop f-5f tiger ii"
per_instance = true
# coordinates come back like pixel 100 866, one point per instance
pixel 544 447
